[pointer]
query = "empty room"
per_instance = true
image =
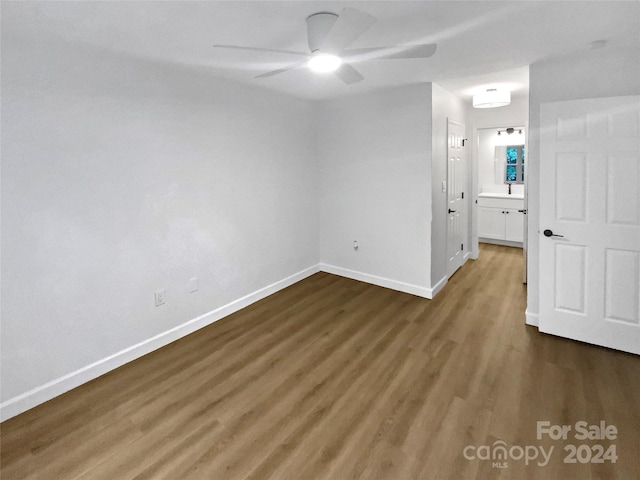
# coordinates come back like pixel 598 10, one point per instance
pixel 319 240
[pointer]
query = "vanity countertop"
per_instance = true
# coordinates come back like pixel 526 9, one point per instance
pixel 514 196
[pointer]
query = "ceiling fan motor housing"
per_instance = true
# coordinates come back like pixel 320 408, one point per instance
pixel 318 27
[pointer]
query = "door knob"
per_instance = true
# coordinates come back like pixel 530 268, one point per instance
pixel 549 233
pixel 452 211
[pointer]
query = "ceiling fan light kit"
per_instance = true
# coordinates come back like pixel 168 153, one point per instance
pixel 329 36
pixel 492 98
pixel 324 63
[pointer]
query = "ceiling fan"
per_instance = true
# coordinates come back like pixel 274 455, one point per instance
pixel 329 35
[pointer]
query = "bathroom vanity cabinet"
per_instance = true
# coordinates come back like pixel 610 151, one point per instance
pixel 501 218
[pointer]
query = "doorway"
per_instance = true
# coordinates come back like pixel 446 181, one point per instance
pixel 501 213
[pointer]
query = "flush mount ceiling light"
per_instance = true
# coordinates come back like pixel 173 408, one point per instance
pixel 324 63
pixel 492 98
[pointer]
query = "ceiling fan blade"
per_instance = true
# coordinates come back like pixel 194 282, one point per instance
pixel 293 66
pixel 408 51
pixel 351 23
pixel 348 74
pixel 257 49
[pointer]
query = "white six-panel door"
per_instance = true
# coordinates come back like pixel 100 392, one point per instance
pixel 590 207
pixel 455 203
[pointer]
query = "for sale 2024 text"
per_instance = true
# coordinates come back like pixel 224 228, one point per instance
pixel 583 453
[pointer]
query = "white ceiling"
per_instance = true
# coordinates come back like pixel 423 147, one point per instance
pixel 480 43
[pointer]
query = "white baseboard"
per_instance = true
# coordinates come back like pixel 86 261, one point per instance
pixel 43 393
pixel 438 286
pixel 379 281
pixel 531 318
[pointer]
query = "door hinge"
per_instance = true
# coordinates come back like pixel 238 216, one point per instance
pixel 464 140
pixel 462 246
pixel 463 195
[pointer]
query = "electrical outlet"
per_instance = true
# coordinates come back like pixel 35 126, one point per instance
pixel 193 285
pixel 161 297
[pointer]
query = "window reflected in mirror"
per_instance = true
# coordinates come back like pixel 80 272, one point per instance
pixel 510 164
pixel 514 168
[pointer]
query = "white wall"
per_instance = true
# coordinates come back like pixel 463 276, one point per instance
pixel 444 106
pixel 374 157
pixel 121 176
pixel 594 73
